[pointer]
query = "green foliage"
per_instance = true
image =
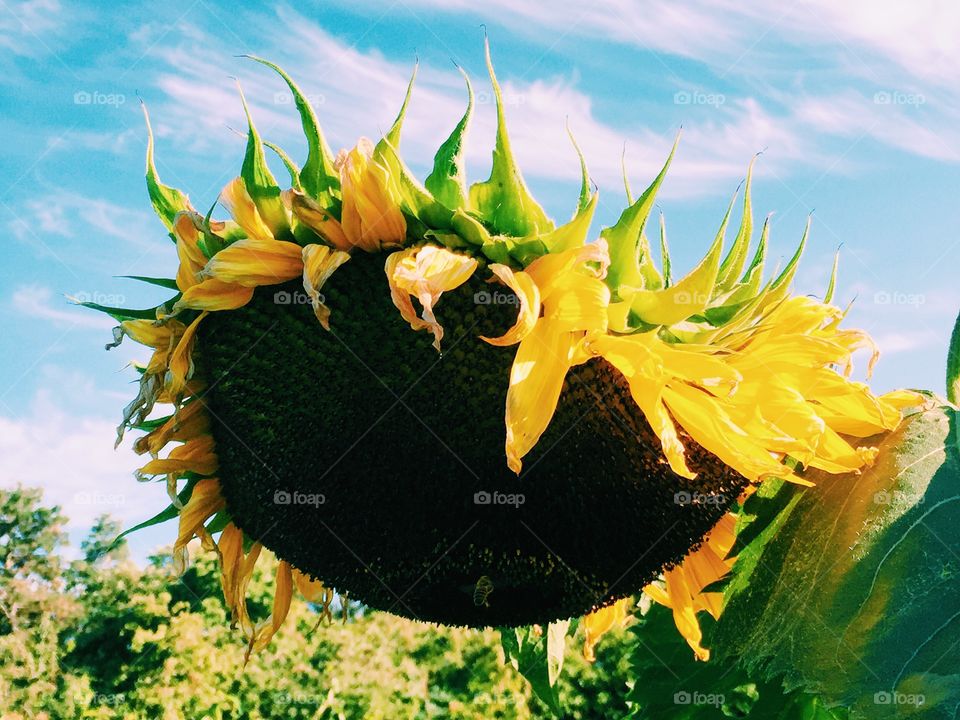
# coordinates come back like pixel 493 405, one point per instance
pixel 852 590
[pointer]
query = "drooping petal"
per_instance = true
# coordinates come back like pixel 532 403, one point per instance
pixel 536 378
pixel 600 622
pixel 180 368
pixel 253 262
pixel 213 294
pixel 371 217
pixel 205 501
pixel 320 220
pixel 319 263
pixel 282 595
pixel 426 273
pixel 528 293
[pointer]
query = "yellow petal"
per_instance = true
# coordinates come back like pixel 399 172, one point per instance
pixel 320 221
pixel 230 545
pixel 191 256
pixel 600 622
pixel 370 216
pixel 180 369
pixel 189 422
pixel 536 379
pixel 528 293
pixel 241 206
pixel 282 595
pixel 155 334
pixel 205 501
pixel 426 273
pixel 319 263
pixel 253 262
pixel 196 455
pixel 213 294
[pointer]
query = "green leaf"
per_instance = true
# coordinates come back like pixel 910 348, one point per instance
pixel 167 201
pixel 447 183
pixel 851 591
pixel 503 201
pixel 168 513
pixel 667 682
pixel 168 283
pixel 538 656
pixel 625 237
pixel 319 178
pixel 259 181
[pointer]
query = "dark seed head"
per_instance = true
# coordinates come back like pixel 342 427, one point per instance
pixel 376 465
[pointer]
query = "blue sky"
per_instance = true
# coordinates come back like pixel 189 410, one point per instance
pixel 855 106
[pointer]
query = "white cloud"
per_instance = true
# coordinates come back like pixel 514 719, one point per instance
pixel 72 458
pixel 39 302
pixel 26 26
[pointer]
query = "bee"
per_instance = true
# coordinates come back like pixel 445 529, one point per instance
pixel 482 590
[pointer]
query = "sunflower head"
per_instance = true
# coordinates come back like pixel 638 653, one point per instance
pixel 431 396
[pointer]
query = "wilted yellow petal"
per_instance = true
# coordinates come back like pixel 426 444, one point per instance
pixel 196 455
pixel 320 221
pixel 181 359
pixel 528 293
pixel 600 622
pixel 189 422
pixel 213 294
pixel 253 262
pixel 426 273
pixel 282 595
pixel 319 263
pixel 371 217
pixel 191 256
pixel 205 501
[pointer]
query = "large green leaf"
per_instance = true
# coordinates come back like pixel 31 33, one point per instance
pixel 852 590
pixel 668 682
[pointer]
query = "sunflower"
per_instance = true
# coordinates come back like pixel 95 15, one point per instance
pixel 431 396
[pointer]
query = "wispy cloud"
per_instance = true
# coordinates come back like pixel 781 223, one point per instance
pixel 40 302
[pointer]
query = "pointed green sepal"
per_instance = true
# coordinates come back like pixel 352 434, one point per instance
pixel 168 283
pixel 167 201
pixel 393 135
pixel 259 181
pixel 288 163
pixel 503 201
pixel 665 254
pixel 733 263
pixel 318 177
pixel 832 285
pixel 447 182
pixel 168 513
pixel 691 295
pixel 625 238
